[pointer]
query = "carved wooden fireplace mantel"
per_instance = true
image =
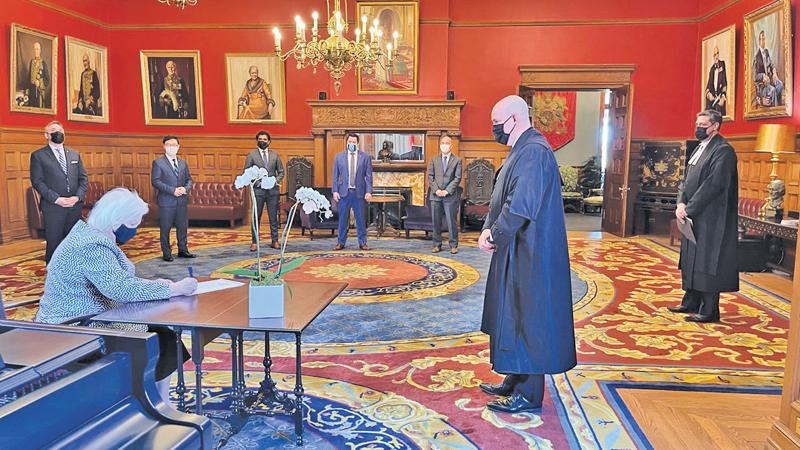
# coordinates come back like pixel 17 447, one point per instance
pixel 331 120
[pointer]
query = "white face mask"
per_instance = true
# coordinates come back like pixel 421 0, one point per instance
pixel 171 151
pixel 445 148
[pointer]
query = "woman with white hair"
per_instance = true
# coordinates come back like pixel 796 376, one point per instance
pixel 89 274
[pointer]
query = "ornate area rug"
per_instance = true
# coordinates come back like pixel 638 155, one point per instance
pixel 396 361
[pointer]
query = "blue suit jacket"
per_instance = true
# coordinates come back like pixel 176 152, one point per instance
pixel 163 179
pixel 341 174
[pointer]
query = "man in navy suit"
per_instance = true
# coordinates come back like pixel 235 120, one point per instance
pixel 170 176
pixel 352 187
pixel 58 175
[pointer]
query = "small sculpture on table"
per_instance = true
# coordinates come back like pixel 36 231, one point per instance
pixel 773 208
pixel 386 152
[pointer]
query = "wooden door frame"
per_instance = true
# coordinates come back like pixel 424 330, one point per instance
pixel 577 77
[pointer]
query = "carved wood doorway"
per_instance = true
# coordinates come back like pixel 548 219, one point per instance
pixel 618 198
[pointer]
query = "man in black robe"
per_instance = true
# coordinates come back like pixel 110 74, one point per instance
pixel 709 196
pixel 527 310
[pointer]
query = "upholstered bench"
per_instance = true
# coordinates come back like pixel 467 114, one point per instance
pixel 213 201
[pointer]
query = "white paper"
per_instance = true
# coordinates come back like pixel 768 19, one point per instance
pixel 215 285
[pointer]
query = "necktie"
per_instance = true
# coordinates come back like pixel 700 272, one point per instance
pixel 444 162
pixel 62 160
pixel 175 167
pixel 264 157
pixel 352 169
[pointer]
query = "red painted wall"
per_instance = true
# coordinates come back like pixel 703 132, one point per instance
pixel 464 47
pixel 30 15
pixel 735 15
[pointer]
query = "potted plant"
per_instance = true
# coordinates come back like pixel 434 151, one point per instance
pixel 267 287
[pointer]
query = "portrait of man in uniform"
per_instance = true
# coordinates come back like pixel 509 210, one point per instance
pixel 87 81
pixel 34 59
pixel 172 87
pixel 256 88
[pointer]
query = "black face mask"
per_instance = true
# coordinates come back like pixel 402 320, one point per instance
pixel 701 133
pixel 499 134
pixel 57 137
pixel 263 145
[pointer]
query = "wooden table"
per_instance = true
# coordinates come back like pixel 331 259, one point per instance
pixel 781 256
pixel 379 226
pixel 226 311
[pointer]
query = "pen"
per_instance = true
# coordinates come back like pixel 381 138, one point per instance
pixel 191 273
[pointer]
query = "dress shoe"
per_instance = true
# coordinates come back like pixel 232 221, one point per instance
pixel 339 247
pixel 682 309
pixel 500 389
pixel 436 249
pixel 275 245
pixel 253 247
pixel 186 255
pixel 453 250
pixel 168 258
pixel 703 318
pixel 515 403
pixel 364 247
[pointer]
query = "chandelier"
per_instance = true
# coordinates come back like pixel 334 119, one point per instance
pixel 179 3
pixel 339 54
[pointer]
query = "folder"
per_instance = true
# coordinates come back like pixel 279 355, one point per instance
pixel 686 229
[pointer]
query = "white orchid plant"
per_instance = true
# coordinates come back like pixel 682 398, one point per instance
pixel 312 201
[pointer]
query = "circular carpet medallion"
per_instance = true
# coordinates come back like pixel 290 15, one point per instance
pixel 373 277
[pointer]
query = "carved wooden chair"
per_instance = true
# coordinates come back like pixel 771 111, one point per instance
pixel 479 184
pixel 299 173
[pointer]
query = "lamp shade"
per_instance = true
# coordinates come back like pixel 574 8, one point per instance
pixel 775 138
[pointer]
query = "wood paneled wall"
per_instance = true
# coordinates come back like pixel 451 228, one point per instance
pixel 124 160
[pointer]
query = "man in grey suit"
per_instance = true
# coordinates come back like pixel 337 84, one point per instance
pixel 266 158
pixel 444 176
pixel 58 175
pixel 170 176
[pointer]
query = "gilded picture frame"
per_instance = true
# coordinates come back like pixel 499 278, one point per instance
pixel 256 88
pixel 37 51
pixel 402 76
pixel 87 81
pixel 172 87
pixel 768 61
pixel 718 73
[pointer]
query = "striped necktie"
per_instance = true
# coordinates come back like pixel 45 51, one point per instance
pixel 61 160
pixel 175 167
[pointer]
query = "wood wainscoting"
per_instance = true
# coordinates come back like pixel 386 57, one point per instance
pixel 125 160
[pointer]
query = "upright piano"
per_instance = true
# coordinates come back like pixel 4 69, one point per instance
pixel 65 387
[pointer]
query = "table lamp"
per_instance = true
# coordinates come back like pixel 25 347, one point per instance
pixel 775 139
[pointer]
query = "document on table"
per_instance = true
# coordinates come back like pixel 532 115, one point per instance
pixel 686 229
pixel 215 285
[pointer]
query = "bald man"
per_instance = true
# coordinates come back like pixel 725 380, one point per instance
pixel 527 309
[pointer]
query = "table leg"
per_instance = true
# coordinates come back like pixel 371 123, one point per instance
pixel 242 385
pixel 181 388
pixel 197 359
pixel 236 394
pixel 298 393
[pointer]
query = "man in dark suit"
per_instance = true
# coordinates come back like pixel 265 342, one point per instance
pixel 709 196
pixel 266 158
pixel 170 176
pixel 717 85
pixel 444 176
pixel 769 87
pixel 58 175
pixel 352 187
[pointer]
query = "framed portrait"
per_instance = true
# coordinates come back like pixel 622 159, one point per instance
pixel 34 70
pixel 768 61
pixel 87 81
pixel 402 75
pixel 718 77
pixel 256 88
pixel 172 87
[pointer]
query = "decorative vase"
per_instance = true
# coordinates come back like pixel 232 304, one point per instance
pixel 265 301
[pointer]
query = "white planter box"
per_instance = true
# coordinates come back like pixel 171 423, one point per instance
pixel 266 301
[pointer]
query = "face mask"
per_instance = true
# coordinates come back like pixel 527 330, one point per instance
pixel 351 147
pixel 124 234
pixel 57 137
pixel 701 133
pixel 263 145
pixel 445 148
pixel 171 152
pixel 499 133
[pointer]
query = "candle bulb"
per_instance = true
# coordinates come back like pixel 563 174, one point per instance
pixel 379 33
pixel 277 34
pixel 314 16
pixel 358 35
pixel 372 34
pixel 302 31
pixel 389 51
pixel 364 22
pixel 395 35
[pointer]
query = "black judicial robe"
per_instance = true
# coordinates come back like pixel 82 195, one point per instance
pixel 527 310
pixel 710 191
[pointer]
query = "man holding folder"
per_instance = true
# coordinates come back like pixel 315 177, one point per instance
pixel 707 213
